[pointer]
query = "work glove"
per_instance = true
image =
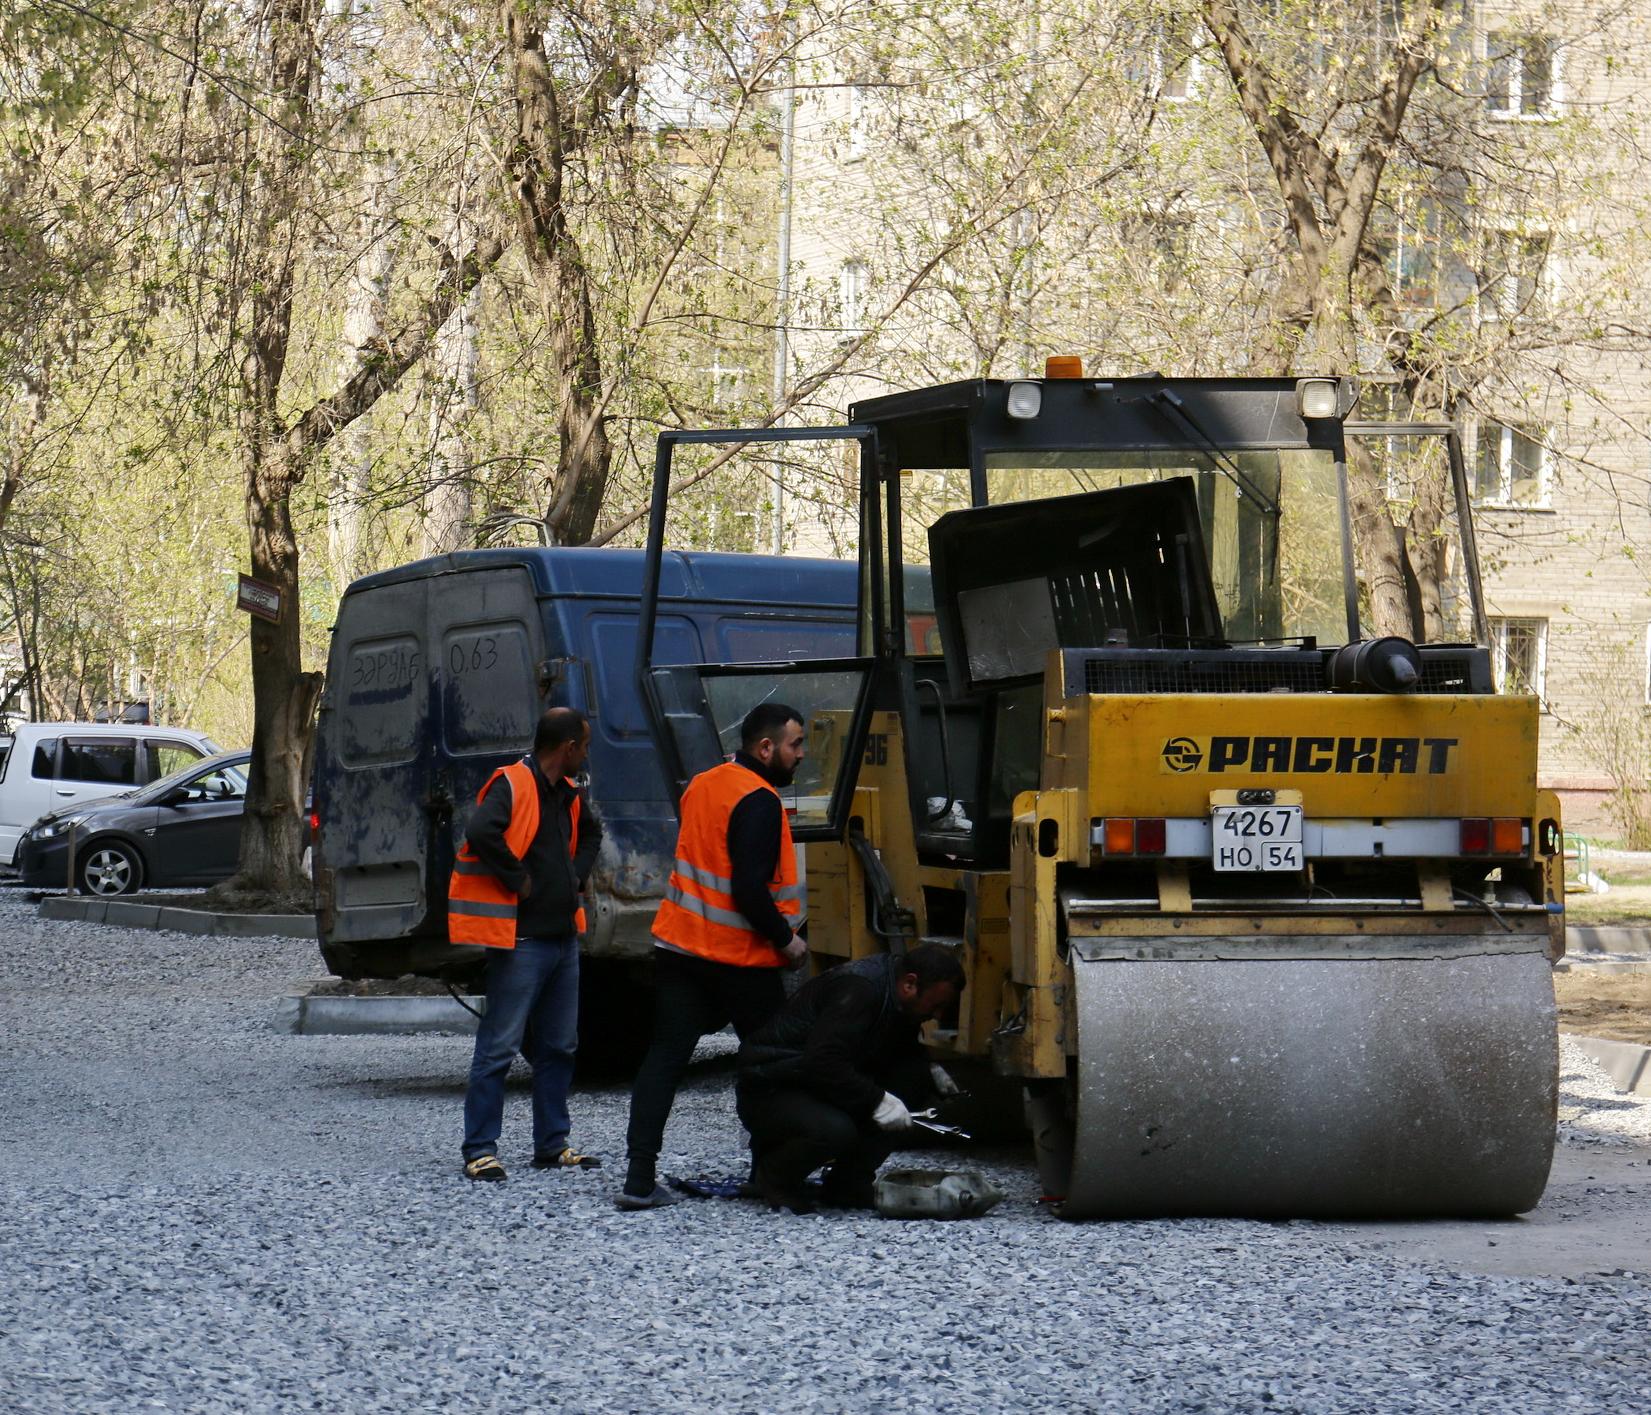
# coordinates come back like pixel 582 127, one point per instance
pixel 891 1113
pixel 795 953
pixel 943 1083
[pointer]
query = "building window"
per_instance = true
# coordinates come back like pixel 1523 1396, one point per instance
pixel 1521 80
pixel 1409 249
pixel 851 298
pixel 856 124
pixel 1510 274
pixel 1166 64
pixel 1512 466
pixel 1519 655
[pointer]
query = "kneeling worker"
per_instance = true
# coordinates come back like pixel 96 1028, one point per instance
pixel 829 1080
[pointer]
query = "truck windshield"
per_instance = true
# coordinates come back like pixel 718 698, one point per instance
pixel 1271 520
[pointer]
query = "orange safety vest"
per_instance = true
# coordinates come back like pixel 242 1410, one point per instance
pixel 479 907
pixel 698 914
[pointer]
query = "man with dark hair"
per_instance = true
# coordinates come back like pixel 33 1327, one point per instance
pixel 515 890
pixel 726 927
pixel 832 1078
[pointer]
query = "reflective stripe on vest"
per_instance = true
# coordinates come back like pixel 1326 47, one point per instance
pixel 698 914
pixel 480 909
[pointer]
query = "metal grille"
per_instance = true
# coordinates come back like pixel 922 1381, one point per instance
pixel 1169 671
pixel 1461 670
pixel 1452 674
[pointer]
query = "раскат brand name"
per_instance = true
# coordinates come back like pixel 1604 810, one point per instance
pixel 1345 756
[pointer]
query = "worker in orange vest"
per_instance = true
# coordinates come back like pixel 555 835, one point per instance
pixel 515 890
pixel 725 929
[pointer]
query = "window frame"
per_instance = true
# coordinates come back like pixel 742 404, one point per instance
pixel 1517 59
pixel 1503 498
pixel 1499 626
pixel 853 284
pixel 1489 299
pixel 1417 229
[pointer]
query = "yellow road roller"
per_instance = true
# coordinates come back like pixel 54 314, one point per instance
pixel 1258 906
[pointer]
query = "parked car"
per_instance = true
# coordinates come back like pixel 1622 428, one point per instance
pixel 184 829
pixel 50 766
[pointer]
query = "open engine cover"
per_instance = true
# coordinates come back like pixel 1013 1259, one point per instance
pixel 1124 566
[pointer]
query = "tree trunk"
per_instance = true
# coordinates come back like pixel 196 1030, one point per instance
pixel 363 329
pixel 538 169
pixel 1378 547
pixel 584 453
pixel 453 397
pixel 284 699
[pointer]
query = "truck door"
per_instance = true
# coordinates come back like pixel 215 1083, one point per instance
pixel 695 710
pixel 376 745
pixel 431 681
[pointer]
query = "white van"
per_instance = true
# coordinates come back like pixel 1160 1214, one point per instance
pixel 47 765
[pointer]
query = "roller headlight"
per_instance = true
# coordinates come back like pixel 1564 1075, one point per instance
pixel 1025 401
pixel 1316 397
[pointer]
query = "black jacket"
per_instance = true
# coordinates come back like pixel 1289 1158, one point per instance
pixel 844 1038
pixel 548 909
pixel 754 852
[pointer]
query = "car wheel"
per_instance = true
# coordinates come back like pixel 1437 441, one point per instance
pixel 108 868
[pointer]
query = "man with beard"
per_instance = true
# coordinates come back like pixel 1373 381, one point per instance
pixel 726 927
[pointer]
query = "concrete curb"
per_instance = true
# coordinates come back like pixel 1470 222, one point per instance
pixel 345 1016
pixel 1628 1064
pixel 1584 938
pixel 189 921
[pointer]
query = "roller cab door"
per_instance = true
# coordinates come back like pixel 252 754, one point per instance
pixel 695 710
pixel 699 708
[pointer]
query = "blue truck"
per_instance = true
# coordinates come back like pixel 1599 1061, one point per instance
pixel 439 670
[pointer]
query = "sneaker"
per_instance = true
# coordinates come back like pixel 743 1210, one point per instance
pixel 566 1158
pixel 484 1167
pixel 658 1198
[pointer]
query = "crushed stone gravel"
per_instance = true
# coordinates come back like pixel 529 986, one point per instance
pixel 202 1213
pixel 1592 1111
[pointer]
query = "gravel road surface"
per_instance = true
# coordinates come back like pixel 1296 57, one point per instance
pixel 201 1213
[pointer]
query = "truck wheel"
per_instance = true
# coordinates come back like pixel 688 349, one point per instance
pixel 109 868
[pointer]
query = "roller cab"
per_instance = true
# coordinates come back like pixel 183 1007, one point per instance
pixel 1257 905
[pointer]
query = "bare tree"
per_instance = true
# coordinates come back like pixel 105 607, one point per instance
pixel 278 450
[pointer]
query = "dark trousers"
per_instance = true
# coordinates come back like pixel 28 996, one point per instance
pixel 794 1132
pixel 692 997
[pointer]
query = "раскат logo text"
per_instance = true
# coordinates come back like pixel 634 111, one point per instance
pixel 1345 756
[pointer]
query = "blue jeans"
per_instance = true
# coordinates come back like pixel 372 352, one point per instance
pixel 532 1007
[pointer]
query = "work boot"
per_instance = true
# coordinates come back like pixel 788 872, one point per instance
pixel 485 1167
pixel 778 1195
pixel 838 1191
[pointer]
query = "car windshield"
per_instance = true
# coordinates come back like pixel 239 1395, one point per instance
pixel 1271 520
pixel 205 773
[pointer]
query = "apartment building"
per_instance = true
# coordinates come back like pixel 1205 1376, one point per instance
pixel 908 266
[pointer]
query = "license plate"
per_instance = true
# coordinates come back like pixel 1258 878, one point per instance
pixel 1256 838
